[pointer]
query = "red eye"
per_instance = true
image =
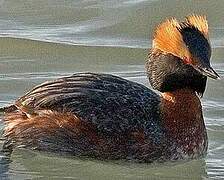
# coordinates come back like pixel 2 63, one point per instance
pixel 187 60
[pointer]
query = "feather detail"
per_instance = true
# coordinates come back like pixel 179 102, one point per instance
pixel 168 39
pixel 200 22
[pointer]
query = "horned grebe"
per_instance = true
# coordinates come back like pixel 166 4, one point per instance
pixel 107 117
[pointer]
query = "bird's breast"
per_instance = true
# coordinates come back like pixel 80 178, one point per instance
pixel 183 122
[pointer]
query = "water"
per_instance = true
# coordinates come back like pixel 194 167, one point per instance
pixel 46 39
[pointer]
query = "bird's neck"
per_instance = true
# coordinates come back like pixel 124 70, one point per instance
pixel 182 118
pixel 169 73
pixel 181 107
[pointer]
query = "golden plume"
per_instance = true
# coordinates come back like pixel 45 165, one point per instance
pixel 168 37
pixel 200 22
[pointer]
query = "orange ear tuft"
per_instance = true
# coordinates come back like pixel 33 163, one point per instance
pixel 168 39
pixel 200 22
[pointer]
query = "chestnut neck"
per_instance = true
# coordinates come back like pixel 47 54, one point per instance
pixel 182 118
pixel 184 104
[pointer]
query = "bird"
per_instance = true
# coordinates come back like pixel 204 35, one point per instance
pixel 107 117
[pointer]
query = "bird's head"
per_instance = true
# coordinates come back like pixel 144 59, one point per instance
pixel 186 42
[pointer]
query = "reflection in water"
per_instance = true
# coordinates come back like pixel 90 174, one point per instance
pixel 4 166
pixel 52 166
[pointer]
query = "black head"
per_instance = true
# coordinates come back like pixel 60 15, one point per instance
pixel 168 73
pixel 199 48
pixel 180 57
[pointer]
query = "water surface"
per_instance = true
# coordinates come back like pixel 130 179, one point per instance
pixel 45 39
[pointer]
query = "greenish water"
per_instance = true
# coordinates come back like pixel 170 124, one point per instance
pixel 42 40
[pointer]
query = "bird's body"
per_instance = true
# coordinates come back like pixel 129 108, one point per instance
pixel 103 116
pixel 108 117
pixel 117 112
